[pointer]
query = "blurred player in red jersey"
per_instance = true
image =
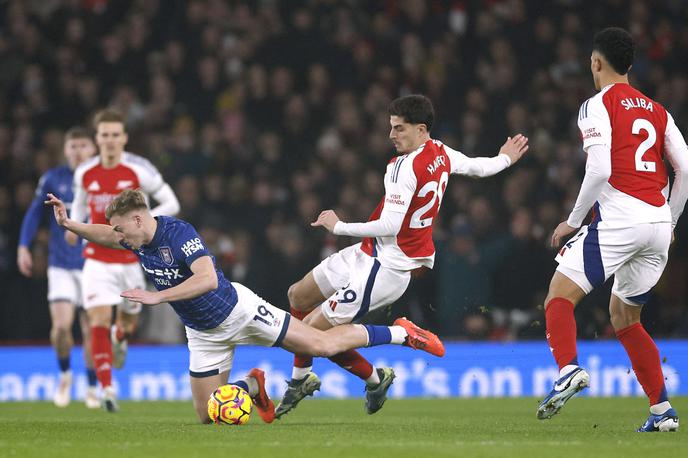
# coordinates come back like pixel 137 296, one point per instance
pixel 626 136
pixel 108 271
pixel 397 241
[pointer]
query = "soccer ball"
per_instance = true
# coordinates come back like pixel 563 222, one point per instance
pixel 229 405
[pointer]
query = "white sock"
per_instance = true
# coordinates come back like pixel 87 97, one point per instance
pixel 374 379
pixel 567 369
pixel 298 373
pixel 660 408
pixel 252 386
pixel 399 334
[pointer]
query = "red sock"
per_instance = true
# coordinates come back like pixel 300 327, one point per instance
pixel 352 361
pixel 561 331
pixel 644 357
pixel 119 334
pixel 301 360
pixel 101 349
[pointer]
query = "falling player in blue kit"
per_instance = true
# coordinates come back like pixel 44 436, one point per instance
pixel 64 267
pixel 219 314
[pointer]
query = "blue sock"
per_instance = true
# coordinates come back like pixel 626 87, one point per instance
pixel 663 395
pixel 241 384
pixel 91 375
pixel 378 335
pixel 64 364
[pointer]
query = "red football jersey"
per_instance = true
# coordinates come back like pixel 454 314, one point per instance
pixel 96 187
pixel 414 184
pixel 633 126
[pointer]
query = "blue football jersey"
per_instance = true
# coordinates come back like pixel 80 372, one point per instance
pixel 57 181
pixel 166 260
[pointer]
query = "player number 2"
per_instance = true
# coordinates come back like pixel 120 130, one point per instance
pixel 638 125
pixel 437 190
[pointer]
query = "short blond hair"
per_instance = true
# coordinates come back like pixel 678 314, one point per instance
pixel 108 115
pixel 128 200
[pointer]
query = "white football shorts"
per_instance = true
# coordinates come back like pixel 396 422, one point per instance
pixel 64 285
pixel 636 256
pixel 355 284
pixel 103 282
pixel 253 321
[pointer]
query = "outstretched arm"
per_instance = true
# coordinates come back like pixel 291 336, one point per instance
pixel 101 234
pixel 388 225
pixel 204 279
pixel 510 152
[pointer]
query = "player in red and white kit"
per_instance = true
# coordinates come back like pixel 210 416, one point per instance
pixel 107 272
pixel 626 136
pixel 397 241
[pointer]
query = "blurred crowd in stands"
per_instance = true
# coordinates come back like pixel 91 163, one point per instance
pixel 261 113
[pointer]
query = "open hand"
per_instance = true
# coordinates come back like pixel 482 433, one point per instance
pixel 326 219
pixel 142 296
pixel 515 147
pixel 59 209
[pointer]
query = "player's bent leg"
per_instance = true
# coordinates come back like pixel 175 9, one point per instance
pixel 202 386
pixel 561 300
pixel 62 318
pixel 304 339
pixel 305 294
pixel 564 294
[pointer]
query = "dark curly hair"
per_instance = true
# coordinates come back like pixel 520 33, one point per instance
pixel 617 46
pixel 415 109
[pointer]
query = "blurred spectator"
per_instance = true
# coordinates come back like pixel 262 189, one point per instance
pixel 263 114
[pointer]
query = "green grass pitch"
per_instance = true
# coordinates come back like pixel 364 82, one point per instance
pixel 587 427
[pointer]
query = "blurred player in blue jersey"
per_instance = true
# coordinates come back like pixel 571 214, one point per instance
pixel 218 314
pixel 64 266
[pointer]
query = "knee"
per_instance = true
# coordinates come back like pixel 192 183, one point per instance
pixel 62 329
pixel 100 318
pixel 295 299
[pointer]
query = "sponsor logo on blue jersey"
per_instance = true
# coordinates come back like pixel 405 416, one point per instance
pixel 167 261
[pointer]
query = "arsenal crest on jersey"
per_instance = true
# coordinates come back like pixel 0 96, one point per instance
pixel 166 255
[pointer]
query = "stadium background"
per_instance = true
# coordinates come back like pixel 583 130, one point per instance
pixel 260 114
